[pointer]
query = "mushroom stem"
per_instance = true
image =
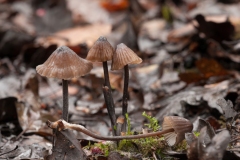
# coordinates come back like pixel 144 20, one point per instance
pixel 62 125
pixel 109 98
pixel 125 95
pixel 65 100
pixel 106 75
pixel 111 111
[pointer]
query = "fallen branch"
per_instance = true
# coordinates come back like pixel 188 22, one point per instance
pixel 62 125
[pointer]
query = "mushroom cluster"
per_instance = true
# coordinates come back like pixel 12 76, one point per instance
pixel 65 64
pixel 102 51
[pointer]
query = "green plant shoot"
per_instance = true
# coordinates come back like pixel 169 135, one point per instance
pixel 153 122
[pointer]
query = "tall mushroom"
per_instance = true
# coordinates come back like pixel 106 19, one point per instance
pixel 64 64
pixel 122 58
pixel 102 51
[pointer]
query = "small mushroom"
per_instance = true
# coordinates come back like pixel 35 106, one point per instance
pixel 102 51
pixel 180 126
pixel 121 59
pixel 64 64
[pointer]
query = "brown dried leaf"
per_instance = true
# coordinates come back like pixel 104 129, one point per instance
pixel 115 5
pixel 206 68
pixel 74 36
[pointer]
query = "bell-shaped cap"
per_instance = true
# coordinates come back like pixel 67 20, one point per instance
pixel 180 126
pixel 101 51
pixel 64 63
pixel 124 56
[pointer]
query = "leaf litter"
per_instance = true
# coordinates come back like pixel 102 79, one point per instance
pixel 190 69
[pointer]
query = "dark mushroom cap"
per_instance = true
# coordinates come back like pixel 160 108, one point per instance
pixel 180 126
pixel 64 64
pixel 101 51
pixel 124 56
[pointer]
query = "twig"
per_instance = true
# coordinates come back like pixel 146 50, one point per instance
pixel 235 139
pixel 154 155
pixel 9 151
pixel 62 125
pixel 29 125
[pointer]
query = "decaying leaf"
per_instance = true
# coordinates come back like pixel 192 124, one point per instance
pixel 74 36
pixel 206 68
pixel 213 30
pixel 227 108
pixel 66 146
pixel 117 5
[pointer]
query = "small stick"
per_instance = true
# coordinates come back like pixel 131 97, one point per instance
pixel 62 125
pixel 28 126
pixel 9 151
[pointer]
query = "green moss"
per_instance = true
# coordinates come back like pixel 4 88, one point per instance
pixel 166 13
pixel 128 146
pixel 115 127
pixel 101 148
pixel 153 122
pixel 181 146
pixel 143 146
pixel 197 134
pixel 148 145
pixel 128 125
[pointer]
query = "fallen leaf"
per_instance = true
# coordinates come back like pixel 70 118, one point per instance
pixel 115 5
pixel 77 35
pixel 227 108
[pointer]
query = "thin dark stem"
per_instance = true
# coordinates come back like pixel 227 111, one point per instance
pixel 109 97
pixel 125 96
pixel 65 100
pixel 106 75
pixel 111 111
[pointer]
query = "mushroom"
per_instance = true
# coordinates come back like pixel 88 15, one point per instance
pixel 121 59
pixel 64 64
pixel 102 51
pixel 180 126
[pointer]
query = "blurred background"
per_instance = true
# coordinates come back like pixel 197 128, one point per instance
pixel 190 51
